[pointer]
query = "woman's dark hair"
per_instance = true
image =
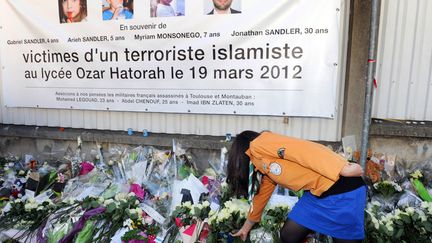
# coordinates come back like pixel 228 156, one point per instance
pixel 238 164
pixel 82 14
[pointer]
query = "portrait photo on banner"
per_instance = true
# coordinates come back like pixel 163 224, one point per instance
pixel 167 8
pixel 72 11
pixel 214 7
pixel 117 9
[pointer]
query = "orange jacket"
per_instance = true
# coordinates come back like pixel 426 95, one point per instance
pixel 292 163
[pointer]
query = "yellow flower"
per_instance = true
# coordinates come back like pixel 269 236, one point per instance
pixel 416 174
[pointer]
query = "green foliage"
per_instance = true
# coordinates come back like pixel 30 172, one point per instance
pixel 133 235
pixel 26 216
pixel 116 212
pixel 274 218
pixel 86 234
pixel 421 190
pixel 407 225
pixel 189 214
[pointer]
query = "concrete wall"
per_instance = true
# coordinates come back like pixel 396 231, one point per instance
pixel 408 151
pixel 51 144
pixel 356 69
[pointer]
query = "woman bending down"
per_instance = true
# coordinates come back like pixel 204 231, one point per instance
pixel 335 195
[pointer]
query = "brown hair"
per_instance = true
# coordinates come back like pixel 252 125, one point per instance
pixel 82 14
pixel 238 164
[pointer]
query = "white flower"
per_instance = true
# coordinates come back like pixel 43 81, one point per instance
pixel 139 212
pixel 206 204
pixel 21 172
pixel 398 211
pixel 187 204
pixel 410 210
pixel 192 211
pixel 108 201
pixel 30 206
pixel 110 162
pixel 375 222
pixel 422 215
pixel 213 217
pixel 120 196
pixel 131 194
pixel 40 208
pixel 101 200
pixel 427 206
pixel 389 227
pixel 212 212
pixel 136 202
pixel 128 223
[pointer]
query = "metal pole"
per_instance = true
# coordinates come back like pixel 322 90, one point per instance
pixel 370 79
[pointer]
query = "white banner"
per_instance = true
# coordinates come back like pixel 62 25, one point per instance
pixel 273 57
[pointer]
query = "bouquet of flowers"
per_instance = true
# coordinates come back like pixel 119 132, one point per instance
pixel 141 227
pixel 406 225
pixel 111 220
pixel 387 188
pixel 230 218
pixel 26 216
pixel 273 219
pixel 190 220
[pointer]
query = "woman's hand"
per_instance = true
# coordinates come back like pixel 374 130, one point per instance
pixel 351 170
pixel 244 231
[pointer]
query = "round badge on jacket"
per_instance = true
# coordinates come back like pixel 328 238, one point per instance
pixel 275 168
pixel 281 153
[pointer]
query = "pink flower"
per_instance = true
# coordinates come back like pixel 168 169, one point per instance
pixel 178 222
pixel 139 192
pixel 86 167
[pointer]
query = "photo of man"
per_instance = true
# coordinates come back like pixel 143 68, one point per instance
pixel 224 7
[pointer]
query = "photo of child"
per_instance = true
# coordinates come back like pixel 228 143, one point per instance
pixel 72 11
pixel 117 9
pixel 167 8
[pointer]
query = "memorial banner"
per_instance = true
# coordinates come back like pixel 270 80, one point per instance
pixel 247 57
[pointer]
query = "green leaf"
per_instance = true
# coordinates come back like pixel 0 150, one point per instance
pixel 111 207
pixel 415 217
pixel 398 222
pixel 421 190
pixel 406 218
pixel 399 233
pixel 94 204
pixel 427 226
pixel 133 216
